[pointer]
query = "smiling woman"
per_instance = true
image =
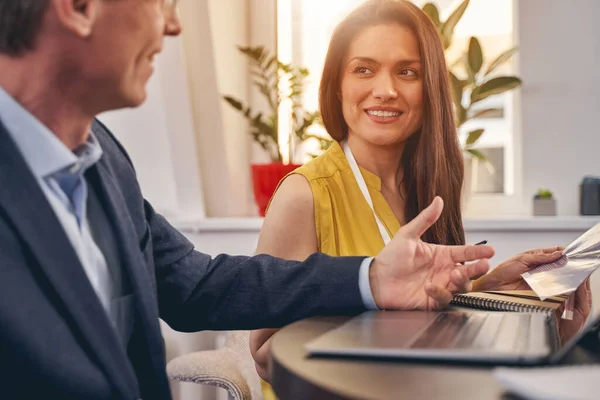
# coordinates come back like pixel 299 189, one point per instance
pixel 385 99
pixel 386 56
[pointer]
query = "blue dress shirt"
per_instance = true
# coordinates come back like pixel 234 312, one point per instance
pixel 55 167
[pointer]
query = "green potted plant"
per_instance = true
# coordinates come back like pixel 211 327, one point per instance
pixel 266 69
pixel 544 203
pixel 475 83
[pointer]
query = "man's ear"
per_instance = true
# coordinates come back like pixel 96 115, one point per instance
pixel 77 16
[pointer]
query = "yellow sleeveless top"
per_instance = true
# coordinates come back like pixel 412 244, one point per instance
pixel 344 221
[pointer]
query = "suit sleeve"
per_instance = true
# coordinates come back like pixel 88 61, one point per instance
pixel 198 292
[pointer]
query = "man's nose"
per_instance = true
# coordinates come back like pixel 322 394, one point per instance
pixel 172 22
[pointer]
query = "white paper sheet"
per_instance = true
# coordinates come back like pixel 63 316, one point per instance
pixel 577 382
pixel 563 276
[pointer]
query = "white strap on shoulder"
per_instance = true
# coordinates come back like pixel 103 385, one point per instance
pixel 365 191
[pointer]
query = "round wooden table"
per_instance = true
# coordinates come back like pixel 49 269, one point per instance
pixel 295 375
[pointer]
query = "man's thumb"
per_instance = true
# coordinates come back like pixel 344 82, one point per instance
pixel 417 227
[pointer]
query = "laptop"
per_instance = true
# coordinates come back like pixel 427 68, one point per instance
pixel 458 334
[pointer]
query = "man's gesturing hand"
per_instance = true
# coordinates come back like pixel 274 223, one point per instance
pixel 410 274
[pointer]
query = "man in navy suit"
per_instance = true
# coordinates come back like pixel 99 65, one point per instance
pixel 87 267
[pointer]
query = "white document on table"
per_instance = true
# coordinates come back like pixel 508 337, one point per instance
pixel 573 382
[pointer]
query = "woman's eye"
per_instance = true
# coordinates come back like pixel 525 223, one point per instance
pixel 362 70
pixel 408 72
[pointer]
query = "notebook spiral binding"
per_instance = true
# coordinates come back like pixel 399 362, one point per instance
pixel 496 305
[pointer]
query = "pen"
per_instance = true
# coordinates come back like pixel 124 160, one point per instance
pixel 482 242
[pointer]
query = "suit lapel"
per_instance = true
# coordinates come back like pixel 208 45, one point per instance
pixel 133 263
pixel 35 221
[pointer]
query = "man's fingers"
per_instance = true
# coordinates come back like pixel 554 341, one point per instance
pixel 462 254
pixel 463 275
pixel 442 296
pixel 460 281
pixel 476 270
pixel 417 227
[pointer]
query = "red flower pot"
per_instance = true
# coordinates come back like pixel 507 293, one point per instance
pixel 265 178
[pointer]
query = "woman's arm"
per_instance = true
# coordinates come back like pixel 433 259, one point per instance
pixel 289 232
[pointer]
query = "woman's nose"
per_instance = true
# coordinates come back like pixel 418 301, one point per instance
pixel 384 89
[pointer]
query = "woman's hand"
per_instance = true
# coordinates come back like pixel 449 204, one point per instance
pixel 581 310
pixel 260 348
pixel 507 275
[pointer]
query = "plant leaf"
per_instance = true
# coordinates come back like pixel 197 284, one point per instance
pixel 269 63
pixel 253 53
pixel 502 58
pixel 497 85
pixel 235 103
pixel 474 136
pixel 475 55
pixel 457 94
pixel 258 74
pixel 457 89
pixel 461 116
pixel 432 12
pixel 450 24
pixel 470 73
pixel 482 113
pixel 477 154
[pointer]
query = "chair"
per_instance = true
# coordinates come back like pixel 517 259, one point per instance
pixel 230 368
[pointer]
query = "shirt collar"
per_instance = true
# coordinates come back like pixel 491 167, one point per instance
pixel 43 152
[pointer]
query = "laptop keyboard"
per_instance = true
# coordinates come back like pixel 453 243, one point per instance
pixel 503 332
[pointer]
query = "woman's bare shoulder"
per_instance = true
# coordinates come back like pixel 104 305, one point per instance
pixel 288 230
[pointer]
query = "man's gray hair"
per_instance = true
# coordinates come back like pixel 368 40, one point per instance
pixel 19 24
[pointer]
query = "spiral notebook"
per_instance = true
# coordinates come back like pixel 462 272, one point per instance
pixel 509 300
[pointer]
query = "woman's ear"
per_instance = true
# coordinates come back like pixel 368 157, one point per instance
pixel 77 16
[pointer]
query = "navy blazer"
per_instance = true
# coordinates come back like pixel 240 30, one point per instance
pixel 56 341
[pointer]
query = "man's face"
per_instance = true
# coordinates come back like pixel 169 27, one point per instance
pixel 117 58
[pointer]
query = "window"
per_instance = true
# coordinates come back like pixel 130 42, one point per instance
pixel 491 21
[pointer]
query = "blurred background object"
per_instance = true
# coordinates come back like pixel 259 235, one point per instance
pixel 590 196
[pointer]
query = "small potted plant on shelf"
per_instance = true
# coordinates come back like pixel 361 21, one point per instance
pixel 544 203
pixel 266 70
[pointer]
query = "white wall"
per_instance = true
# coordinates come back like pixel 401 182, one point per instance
pixel 204 94
pixel 229 27
pixel 558 61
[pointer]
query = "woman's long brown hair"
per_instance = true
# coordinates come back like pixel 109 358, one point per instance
pixel 432 161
